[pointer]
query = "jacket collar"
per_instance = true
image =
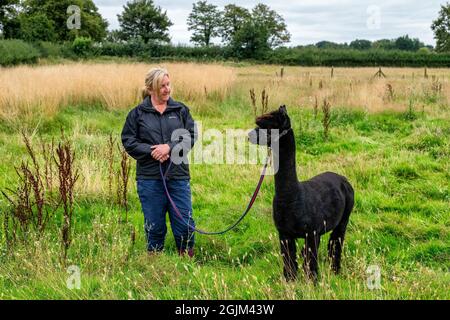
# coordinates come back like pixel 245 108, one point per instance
pixel 147 105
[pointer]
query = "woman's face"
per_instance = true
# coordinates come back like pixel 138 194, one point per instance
pixel 164 91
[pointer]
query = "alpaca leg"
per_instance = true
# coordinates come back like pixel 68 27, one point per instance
pixel 335 245
pixel 334 253
pixel 289 252
pixel 310 256
pixel 336 241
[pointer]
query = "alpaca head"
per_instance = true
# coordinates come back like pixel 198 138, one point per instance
pixel 275 120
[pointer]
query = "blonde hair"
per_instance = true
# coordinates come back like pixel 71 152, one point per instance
pixel 153 81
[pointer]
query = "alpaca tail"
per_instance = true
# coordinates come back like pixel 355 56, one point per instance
pixel 349 200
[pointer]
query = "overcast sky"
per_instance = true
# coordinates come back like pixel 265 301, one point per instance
pixel 310 21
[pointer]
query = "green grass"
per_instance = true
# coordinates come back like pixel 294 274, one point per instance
pixel 401 222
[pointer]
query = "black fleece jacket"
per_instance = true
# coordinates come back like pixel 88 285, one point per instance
pixel 145 127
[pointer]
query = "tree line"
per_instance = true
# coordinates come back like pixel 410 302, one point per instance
pixel 403 43
pixel 248 33
pixel 244 33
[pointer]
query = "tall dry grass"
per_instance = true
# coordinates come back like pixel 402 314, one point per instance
pixel 349 87
pixel 27 90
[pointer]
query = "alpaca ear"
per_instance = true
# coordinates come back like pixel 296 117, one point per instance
pixel 283 109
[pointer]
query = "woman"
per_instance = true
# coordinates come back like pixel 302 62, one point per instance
pixel 157 130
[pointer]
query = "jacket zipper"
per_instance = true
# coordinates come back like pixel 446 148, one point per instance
pixel 162 135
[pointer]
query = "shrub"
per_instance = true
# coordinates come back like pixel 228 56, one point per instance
pixel 299 56
pixel 424 50
pixel 82 46
pixel 49 49
pixel 356 58
pixel 13 52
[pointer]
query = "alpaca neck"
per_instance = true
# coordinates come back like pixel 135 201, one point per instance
pixel 286 178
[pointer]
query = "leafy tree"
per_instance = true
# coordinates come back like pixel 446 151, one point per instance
pixel 273 24
pixel 9 23
pixel 141 19
pixel 114 36
pixel 53 13
pixel 37 27
pixel 250 41
pixel 263 30
pixel 92 24
pixel 204 20
pixel 441 29
pixel 233 19
pixel 330 45
pixel 384 44
pixel 361 44
pixel 407 44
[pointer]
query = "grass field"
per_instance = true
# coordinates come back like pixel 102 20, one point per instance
pixel 389 136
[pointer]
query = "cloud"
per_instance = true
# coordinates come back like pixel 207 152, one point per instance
pixel 310 21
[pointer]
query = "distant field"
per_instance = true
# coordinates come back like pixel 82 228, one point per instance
pixel 389 136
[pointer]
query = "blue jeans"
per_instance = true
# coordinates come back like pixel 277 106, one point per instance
pixel 155 204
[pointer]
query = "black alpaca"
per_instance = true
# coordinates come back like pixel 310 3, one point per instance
pixel 306 209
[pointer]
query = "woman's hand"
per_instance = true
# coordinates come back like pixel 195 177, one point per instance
pixel 160 152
